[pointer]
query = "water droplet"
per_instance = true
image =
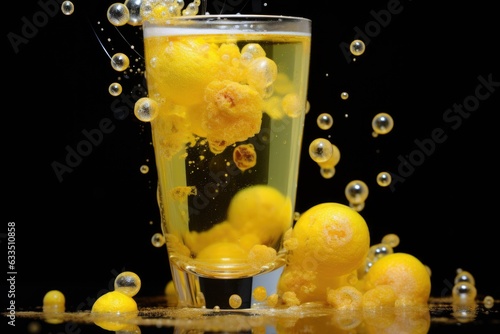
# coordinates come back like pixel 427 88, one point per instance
pixel 464 276
pixel 325 121
pixel 128 283
pixel 357 47
pixel 488 302
pixel 382 123
pixel 344 95
pixel 120 62
pixel 144 169
pixel 118 14
pixel 146 109
pixel 67 7
pixel 327 173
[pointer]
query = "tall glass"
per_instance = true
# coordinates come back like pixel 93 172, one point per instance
pixel 229 99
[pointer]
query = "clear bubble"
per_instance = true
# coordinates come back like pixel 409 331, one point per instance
pixel 158 240
pixel 382 123
pixel 357 47
pixel 144 169
pixel 262 72
pixel 356 192
pixel 344 95
pixel 146 109
pixel 128 283
pixel 118 14
pixel 134 10
pixel 384 179
pixel 324 121
pixel 67 7
pixel 115 89
pixel 120 62
pixel 391 239
pixel 320 150
pixel 235 301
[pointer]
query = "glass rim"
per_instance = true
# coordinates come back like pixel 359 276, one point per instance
pixel 232 17
pixel 222 23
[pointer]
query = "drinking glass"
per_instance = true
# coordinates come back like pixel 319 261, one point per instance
pixel 227 101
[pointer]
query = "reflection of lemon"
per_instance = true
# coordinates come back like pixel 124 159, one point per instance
pixel 261 210
pixel 180 68
pixel 332 236
pixel 405 274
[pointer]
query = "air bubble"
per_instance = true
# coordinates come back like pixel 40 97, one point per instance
pixel 118 14
pixel 327 173
pixel 146 109
pixel 382 124
pixel 464 276
pixel 357 47
pixel 320 150
pixel 158 240
pixel 384 179
pixel 134 9
pixel 344 95
pixel 120 62
pixel 391 239
pixel 324 121
pixel 356 192
pixel 67 7
pixel 144 169
pixel 115 89
pixel 128 283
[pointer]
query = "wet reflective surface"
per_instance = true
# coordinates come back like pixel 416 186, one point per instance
pixel 442 316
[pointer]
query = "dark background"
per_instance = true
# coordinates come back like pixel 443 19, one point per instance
pixel 76 233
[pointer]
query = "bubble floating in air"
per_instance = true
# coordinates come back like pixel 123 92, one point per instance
pixel 115 89
pixel 320 150
pixel 356 193
pixel 128 283
pixel 357 47
pixel 67 7
pixel 325 121
pixel 344 95
pixel 145 109
pixel 118 14
pixel 120 62
pixel 134 10
pixel 158 240
pixel 384 179
pixel 382 124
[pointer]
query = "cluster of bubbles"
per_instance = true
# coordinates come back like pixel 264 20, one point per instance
pixel 376 251
pixel 326 155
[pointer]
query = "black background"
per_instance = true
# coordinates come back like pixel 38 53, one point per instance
pixel 77 233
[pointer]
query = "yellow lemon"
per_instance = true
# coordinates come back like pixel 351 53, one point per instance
pixel 407 276
pixel 113 309
pixel 332 238
pixel 223 252
pixel 54 300
pixel 171 294
pixel 263 211
pixel 114 302
pixel 179 69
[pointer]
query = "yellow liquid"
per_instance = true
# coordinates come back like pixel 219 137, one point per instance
pixel 231 116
